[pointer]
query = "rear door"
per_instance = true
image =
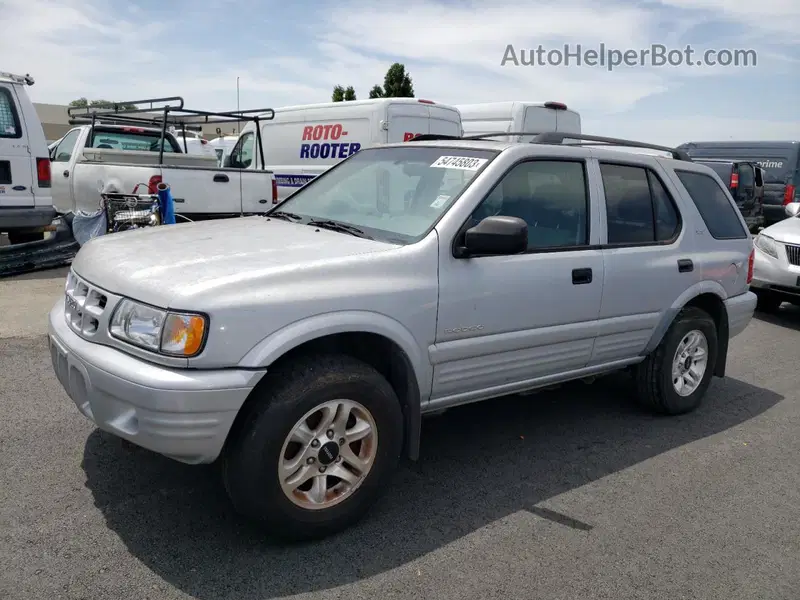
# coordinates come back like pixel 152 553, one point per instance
pixel 538 119
pixel 408 120
pixel 16 162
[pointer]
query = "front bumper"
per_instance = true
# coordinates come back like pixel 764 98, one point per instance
pixel 776 274
pixel 181 413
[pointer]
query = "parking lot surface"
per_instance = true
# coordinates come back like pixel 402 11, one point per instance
pixel 568 494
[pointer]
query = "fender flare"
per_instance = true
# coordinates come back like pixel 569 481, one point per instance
pixel 702 287
pixel 278 343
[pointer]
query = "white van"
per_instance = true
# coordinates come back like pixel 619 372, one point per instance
pixel 26 202
pixel 302 142
pixel 516 116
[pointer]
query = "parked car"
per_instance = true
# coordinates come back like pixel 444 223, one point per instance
pixel 516 116
pixel 745 181
pixel 26 202
pixel 123 156
pixel 776 273
pixel 780 161
pixel 301 348
pixel 302 142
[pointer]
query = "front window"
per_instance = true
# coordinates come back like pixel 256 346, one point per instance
pixel 392 194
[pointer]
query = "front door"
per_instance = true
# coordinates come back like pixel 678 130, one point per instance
pixel 62 175
pixel 506 321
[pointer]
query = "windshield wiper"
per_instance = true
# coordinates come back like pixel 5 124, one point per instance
pixel 285 215
pixel 342 227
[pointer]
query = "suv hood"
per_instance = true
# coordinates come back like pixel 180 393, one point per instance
pixel 165 266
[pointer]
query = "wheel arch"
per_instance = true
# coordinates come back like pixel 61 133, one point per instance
pixel 708 296
pixel 375 339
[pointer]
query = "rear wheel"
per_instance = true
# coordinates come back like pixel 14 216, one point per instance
pixel 316 449
pixel 767 301
pixel 674 378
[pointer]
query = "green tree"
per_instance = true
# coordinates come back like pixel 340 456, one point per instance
pixel 376 92
pixel 350 93
pixel 83 103
pixel 338 94
pixel 397 83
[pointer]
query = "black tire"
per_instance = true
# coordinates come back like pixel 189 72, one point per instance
pixel 24 238
pixel 767 302
pixel 653 376
pixel 250 462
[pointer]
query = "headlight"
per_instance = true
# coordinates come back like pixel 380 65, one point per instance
pixel 767 245
pixel 173 334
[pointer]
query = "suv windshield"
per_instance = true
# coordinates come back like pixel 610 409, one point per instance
pixel 394 194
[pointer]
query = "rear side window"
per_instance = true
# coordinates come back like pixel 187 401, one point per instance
pixel 746 176
pixel 9 120
pixel 719 214
pixel 123 140
pixel 639 209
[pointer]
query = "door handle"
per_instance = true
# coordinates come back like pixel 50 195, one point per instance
pixel 581 276
pixel 685 266
pixel 221 178
pixel 179 200
pixel 66 173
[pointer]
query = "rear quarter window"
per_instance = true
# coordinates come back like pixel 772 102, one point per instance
pixel 718 212
pixel 9 119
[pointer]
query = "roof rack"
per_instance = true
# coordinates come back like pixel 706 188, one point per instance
pixel 558 137
pixel 161 113
pixel 21 79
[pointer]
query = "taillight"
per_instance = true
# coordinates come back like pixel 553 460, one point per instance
pixel 274 191
pixel 555 105
pixel 788 195
pixel 152 184
pixel 425 101
pixel 43 172
pixel 750 262
pixel 734 180
pixel 203 142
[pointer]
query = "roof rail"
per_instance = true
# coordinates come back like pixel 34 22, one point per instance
pixel 21 79
pixel 558 137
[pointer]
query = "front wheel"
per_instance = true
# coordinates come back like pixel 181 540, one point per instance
pixel 674 378
pixel 316 449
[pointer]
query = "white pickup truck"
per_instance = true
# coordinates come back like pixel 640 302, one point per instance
pixel 90 158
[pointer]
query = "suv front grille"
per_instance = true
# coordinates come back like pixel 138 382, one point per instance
pixel 793 254
pixel 83 305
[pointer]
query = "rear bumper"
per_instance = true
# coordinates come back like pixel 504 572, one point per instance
pixel 180 413
pixel 26 217
pixel 740 311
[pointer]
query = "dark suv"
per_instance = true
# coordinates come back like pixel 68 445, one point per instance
pixel 745 181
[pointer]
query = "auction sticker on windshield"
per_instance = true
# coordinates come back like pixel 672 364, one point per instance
pixel 465 163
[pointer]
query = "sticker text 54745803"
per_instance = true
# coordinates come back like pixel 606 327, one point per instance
pixel 464 163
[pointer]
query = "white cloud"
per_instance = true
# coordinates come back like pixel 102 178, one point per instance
pixel 453 51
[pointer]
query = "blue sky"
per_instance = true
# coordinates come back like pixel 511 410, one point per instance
pixel 295 53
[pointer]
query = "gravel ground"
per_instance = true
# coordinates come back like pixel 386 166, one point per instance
pixel 561 495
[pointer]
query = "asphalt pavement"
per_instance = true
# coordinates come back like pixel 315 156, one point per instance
pixel 571 494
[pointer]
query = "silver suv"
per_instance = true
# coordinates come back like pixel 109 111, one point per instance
pixel 302 348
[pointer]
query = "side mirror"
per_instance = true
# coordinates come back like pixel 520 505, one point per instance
pixel 792 209
pixel 496 235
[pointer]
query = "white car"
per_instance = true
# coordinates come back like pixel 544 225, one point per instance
pixel 776 270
